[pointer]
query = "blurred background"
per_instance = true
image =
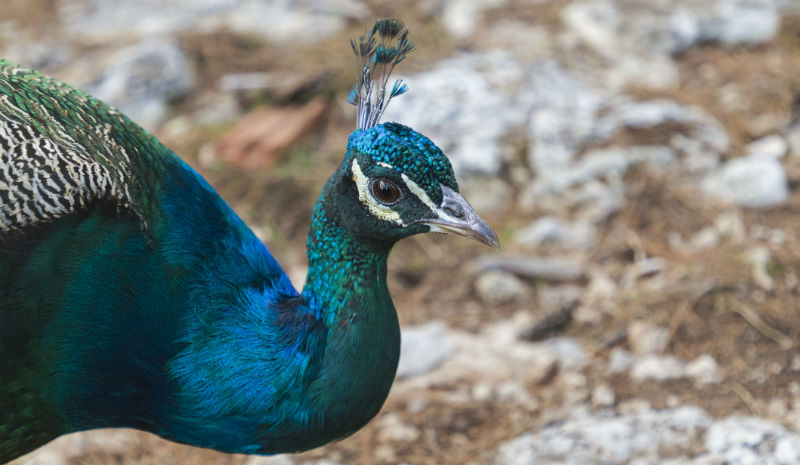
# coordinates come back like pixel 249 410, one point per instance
pixel 639 159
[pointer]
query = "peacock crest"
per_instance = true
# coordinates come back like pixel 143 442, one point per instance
pixel 379 52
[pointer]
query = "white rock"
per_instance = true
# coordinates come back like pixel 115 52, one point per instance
pixel 460 17
pixel 749 182
pixel 557 298
pixel 706 238
pixel 696 157
pixel 619 360
pixel 657 368
pixel 746 440
pixel 545 268
pixel 642 436
pixel 596 24
pixel 282 20
pixel 704 370
pixel 569 353
pixel 495 355
pixel 466 89
pixel 668 28
pixel 487 194
pixel 283 459
pixel 743 22
pixel 644 71
pixel 603 396
pixel 141 78
pixel 392 428
pixel 638 437
pixel 731 226
pixel 496 287
pixel 423 348
pixel 759 258
pixel 563 112
pixel 550 230
pixel 606 163
pixel 773 146
pixel 793 138
pixel 646 339
pixel 702 126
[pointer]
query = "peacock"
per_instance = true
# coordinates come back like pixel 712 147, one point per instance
pixel 131 294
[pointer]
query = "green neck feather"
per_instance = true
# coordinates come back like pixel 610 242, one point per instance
pixel 346 285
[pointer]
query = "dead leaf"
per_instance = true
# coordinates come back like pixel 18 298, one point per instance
pixel 261 138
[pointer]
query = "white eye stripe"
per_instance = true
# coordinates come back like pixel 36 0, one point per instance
pixel 365 196
pixel 419 192
pixel 423 197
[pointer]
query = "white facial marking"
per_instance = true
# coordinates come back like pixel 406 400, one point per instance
pixel 365 196
pixel 423 197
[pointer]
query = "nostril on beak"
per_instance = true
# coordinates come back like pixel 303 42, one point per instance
pixel 455 211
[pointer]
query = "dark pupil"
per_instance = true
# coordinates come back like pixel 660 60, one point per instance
pixel 385 191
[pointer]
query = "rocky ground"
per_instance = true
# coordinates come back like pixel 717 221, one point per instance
pixel 639 158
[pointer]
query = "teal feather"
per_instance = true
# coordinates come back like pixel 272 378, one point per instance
pixel 131 295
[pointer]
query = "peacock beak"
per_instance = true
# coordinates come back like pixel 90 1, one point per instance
pixel 456 216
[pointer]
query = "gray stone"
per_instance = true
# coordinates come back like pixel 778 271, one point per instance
pixel 759 258
pixel 742 22
pixel 650 113
pixel 44 55
pixel 460 17
pixel 646 28
pixel 696 157
pixel 595 182
pixel 749 182
pixel 569 353
pixel 657 368
pixel 646 339
pixel 642 437
pixel 773 146
pixel 619 360
pixel 563 110
pixel 557 107
pixel 544 268
pixel 704 370
pixel 558 298
pixel 793 138
pixel 465 89
pixel 309 21
pixel 423 348
pixel 614 162
pixel 283 459
pixel 496 287
pixel 549 230
pixel 746 440
pixel 392 428
pixel 141 78
pixel 603 396
pixel 487 194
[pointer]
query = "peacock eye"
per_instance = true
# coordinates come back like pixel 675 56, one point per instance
pixel 385 191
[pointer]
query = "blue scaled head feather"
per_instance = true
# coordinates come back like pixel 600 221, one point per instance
pixel 379 51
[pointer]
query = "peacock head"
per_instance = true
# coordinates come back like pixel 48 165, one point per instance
pixel 405 185
pixel 399 182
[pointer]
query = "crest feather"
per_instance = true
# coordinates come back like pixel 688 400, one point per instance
pixel 379 52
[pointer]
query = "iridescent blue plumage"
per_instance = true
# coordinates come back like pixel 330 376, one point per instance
pixel 132 295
